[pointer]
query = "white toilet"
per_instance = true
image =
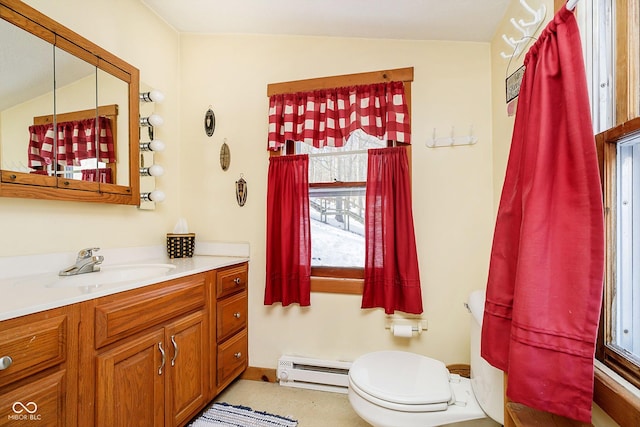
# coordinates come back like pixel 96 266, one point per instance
pixel 401 389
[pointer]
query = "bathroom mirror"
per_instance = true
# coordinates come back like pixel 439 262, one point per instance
pixel 68 114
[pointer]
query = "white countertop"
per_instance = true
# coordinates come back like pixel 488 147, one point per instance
pixel 25 281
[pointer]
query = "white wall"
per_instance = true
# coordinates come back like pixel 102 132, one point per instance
pixel 451 186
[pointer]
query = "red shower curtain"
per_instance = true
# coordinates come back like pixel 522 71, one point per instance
pixel 391 276
pixel 547 263
pixel 288 231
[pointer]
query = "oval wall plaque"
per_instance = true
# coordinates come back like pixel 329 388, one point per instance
pixel 225 156
pixel 241 191
pixel 209 122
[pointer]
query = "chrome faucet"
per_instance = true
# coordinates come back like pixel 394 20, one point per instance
pixel 86 262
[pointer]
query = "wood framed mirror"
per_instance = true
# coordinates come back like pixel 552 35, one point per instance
pixel 69 114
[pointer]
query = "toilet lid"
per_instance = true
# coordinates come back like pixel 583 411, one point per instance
pixel 402 377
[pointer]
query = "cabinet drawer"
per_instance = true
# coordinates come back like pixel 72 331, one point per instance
pixel 123 315
pixel 40 402
pixel 231 280
pixel 232 358
pixel 32 346
pixel 232 315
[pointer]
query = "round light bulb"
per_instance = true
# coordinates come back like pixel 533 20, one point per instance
pixel 156 96
pixel 152 96
pixel 156 170
pixel 156 196
pixel 156 145
pixel 155 120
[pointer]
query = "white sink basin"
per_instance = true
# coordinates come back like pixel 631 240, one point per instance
pixel 110 274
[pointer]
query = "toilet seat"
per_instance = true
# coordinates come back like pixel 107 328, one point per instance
pixel 402 381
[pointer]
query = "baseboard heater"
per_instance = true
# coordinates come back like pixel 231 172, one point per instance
pixel 315 374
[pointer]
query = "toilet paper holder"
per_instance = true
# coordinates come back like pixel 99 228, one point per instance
pixel 418 326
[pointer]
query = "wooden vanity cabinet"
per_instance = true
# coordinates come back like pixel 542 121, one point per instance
pixel 157 355
pixel 40 382
pixel 231 324
pixel 152 356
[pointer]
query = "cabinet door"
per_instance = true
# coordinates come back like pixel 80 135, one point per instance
pixel 186 367
pixel 130 383
pixel 40 402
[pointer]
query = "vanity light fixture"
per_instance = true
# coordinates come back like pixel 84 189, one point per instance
pixel 152 96
pixel 153 170
pixel 152 120
pixel 154 196
pixel 156 145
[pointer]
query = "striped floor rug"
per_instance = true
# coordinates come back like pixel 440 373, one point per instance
pixel 224 414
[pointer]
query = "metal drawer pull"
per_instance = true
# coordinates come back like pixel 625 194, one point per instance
pixel 5 362
pixel 238 355
pixel 175 350
pixel 163 358
pixel 237 280
pixel 236 314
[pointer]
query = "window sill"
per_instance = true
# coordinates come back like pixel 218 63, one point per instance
pixel 617 397
pixel 336 285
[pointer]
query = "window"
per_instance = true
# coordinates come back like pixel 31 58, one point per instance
pixel 337 184
pixel 596 26
pixel 612 50
pixel 337 189
pixel 620 336
pixel 625 324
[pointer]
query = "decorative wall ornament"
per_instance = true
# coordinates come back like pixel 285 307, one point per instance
pixel 241 191
pixel 209 122
pixel 225 155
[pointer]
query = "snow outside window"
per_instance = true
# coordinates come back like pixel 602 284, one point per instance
pixel 337 186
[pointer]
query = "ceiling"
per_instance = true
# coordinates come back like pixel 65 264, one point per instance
pixel 459 20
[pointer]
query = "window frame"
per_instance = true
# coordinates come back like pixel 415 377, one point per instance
pixel 610 394
pixel 607 143
pixel 335 279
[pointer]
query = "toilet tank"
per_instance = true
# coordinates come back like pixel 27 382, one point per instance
pixel 487 382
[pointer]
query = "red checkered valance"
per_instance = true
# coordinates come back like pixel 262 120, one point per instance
pixel 328 117
pixel 75 142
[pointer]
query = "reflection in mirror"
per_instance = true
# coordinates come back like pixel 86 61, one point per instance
pixel 68 146
pixel 75 137
pixel 113 91
pixel 26 90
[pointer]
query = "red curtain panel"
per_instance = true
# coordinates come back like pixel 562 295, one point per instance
pixel 288 278
pixel 391 276
pixel 546 270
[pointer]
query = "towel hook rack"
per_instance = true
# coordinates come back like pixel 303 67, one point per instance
pixel 451 140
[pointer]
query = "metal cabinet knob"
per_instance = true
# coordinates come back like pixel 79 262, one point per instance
pixel 5 362
pixel 236 280
pixel 237 355
pixel 236 314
